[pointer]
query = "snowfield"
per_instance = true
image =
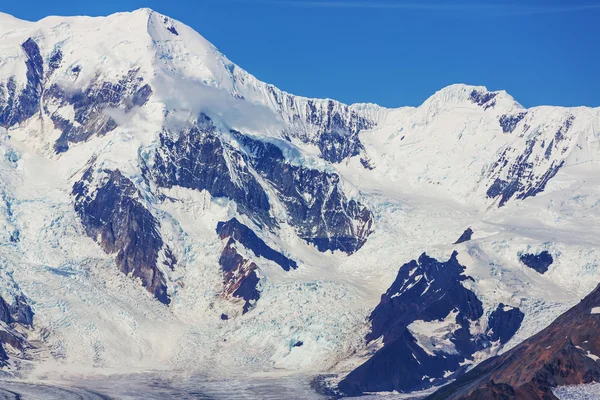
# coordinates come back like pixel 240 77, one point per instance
pixel 578 392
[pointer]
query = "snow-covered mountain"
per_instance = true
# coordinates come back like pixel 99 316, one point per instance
pixel 163 209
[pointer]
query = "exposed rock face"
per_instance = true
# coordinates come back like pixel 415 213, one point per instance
pixel 517 176
pixel 484 99
pixel 565 353
pixel 19 311
pixel 15 106
pixel 245 236
pixel 465 237
pixel 14 314
pixel 336 146
pixel 503 323
pixel 426 300
pixel 510 122
pixel 317 208
pixel 539 262
pixel 332 126
pixel 55 61
pixel 113 216
pixel 92 107
pixel 196 158
pixel 506 189
pixel 316 205
pixel 240 276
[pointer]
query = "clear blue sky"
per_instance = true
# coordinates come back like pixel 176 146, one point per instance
pixel 391 52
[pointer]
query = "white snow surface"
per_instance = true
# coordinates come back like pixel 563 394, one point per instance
pixel 590 391
pixel 433 165
pixel 434 336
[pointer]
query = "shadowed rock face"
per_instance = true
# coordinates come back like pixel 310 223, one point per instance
pixel 510 122
pixel 112 215
pixel 483 99
pixel 19 311
pixel 338 126
pixel 503 323
pixel 336 146
pixel 18 107
pixel 240 277
pixel 520 181
pixel 426 290
pixel 91 105
pixel 240 274
pixel 565 353
pixel 538 262
pixel 519 178
pixel 55 61
pixel 14 314
pixel 316 205
pixel 244 235
pixel 196 159
pixel 465 237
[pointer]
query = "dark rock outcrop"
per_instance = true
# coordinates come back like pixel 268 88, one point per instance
pixel 316 205
pixel 196 159
pixel 483 98
pixel 113 216
pixel 503 323
pixel 565 353
pixel 16 107
pixel 240 276
pixel 428 291
pixel 539 262
pixel 337 126
pixel 14 314
pixel 245 236
pixel 465 237
pixel 510 122
pixel 521 181
pixel 91 105
pixel 336 146
pixel 527 174
pixel 55 61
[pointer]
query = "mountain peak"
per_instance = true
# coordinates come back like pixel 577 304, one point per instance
pixel 462 94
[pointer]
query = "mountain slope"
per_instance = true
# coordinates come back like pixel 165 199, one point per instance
pixel 562 354
pixel 164 209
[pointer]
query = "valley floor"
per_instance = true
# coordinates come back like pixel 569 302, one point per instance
pixel 158 387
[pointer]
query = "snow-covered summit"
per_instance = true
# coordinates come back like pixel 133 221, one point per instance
pixel 461 95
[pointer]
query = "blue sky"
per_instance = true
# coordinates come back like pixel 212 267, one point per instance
pixel 391 52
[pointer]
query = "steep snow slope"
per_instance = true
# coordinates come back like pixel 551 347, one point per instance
pixel 129 143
